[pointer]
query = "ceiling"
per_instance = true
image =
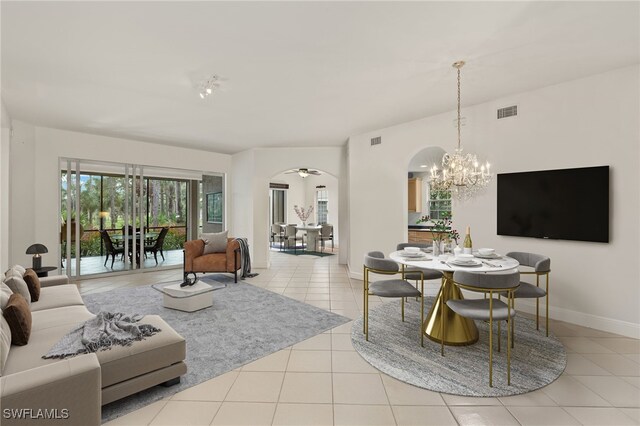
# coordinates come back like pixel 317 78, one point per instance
pixel 293 74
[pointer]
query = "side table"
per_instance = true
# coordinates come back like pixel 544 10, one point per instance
pixel 44 271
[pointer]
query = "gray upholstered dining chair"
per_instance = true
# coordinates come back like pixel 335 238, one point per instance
pixel 487 309
pixel 541 266
pixel 326 234
pixel 374 262
pixel 411 272
pixel 291 234
pixel 277 234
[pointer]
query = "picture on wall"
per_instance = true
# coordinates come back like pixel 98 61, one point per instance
pixel 214 207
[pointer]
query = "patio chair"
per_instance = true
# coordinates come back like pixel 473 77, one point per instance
pixel 109 248
pixel 157 245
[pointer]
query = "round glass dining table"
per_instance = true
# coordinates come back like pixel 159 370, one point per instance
pixel 459 330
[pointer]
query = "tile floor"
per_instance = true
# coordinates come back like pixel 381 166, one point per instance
pixel 323 381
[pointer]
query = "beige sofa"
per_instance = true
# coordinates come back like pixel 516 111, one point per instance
pixel 83 383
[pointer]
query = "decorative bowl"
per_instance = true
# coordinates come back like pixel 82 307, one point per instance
pixel 463 256
pixel 412 249
pixel 486 251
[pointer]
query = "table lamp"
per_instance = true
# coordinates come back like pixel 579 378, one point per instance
pixel 36 250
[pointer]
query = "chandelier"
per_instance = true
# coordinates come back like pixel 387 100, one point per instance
pixel 208 86
pixel 460 172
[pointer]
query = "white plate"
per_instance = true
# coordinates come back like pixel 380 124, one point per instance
pixel 472 263
pixel 413 255
pixel 488 256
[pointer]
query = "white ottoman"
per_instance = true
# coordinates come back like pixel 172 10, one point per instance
pixel 189 298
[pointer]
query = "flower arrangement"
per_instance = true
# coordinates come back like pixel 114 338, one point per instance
pixel 302 213
pixel 441 229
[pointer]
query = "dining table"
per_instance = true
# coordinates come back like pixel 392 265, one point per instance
pixel 459 331
pixel 312 235
pixel 148 236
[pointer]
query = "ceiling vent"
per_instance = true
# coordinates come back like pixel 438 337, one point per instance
pixel 510 111
pixel 376 141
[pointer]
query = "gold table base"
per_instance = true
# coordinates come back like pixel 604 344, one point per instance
pixel 458 331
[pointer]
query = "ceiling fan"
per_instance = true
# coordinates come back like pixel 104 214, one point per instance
pixel 303 172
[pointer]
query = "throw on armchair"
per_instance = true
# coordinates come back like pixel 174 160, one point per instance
pixel 195 261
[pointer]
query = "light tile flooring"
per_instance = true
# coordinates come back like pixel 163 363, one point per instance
pixel 323 381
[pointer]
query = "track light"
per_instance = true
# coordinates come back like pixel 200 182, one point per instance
pixel 208 85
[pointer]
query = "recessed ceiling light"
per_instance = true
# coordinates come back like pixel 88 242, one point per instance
pixel 424 166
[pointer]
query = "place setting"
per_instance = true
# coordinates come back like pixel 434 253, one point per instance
pixel 414 254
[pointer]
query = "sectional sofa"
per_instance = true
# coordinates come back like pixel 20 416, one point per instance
pixel 81 384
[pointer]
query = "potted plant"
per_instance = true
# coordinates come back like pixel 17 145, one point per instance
pixel 441 232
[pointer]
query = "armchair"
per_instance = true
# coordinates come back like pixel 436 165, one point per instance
pixel 195 261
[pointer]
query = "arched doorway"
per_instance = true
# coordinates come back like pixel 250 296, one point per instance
pixel 306 188
pixel 421 200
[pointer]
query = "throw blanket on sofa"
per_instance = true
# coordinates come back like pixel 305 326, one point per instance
pixel 100 333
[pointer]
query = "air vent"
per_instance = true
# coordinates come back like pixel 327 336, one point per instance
pixel 510 111
pixel 376 140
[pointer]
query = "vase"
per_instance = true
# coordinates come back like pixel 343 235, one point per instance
pixel 304 224
pixel 443 247
pixel 436 248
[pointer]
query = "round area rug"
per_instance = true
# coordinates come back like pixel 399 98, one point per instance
pixel 394 348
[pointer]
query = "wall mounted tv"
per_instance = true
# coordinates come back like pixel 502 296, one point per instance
pixel 567 204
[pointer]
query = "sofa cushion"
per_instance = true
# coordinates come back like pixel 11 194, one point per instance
pixel 5 293
pixel 57 297
pixel 55 317
pixel 17 284
pixel 215 242
pixel 158 351
pixel 18 317
pixel 117 364
pixel 5 342
pixel 33 284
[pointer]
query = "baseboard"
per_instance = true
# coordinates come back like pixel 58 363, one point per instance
pixel 610 325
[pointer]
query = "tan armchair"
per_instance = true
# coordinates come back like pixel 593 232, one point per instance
pixel 195 261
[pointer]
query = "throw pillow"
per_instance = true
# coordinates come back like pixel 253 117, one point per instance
pixel 5 342
pixel 5 294
pixel 215 242
pixel 18 317
pixel 17 285
pixel 18 268
pixel 33 283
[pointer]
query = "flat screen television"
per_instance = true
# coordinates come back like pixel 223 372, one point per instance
pixel 567 204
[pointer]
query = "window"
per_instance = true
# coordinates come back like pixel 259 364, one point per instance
pixel 439 203
pixel 322 197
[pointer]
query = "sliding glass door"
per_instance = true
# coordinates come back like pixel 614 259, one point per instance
pixel 114 218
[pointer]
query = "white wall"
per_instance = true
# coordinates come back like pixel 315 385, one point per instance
pixel 267 163
pixel 35 153
pixel 5 142
pixel 586 122
pixel 22 196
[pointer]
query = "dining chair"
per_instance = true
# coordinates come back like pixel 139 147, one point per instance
pixel 326 234
pixel 158 244
pixel 277 233
pixel 109 248
pixel 291 234
pixel 487 309
pixel 411 272
pixel 374 262
pixel 541 267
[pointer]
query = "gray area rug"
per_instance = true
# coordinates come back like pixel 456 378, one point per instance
pixel 245 323
pixel 394 348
